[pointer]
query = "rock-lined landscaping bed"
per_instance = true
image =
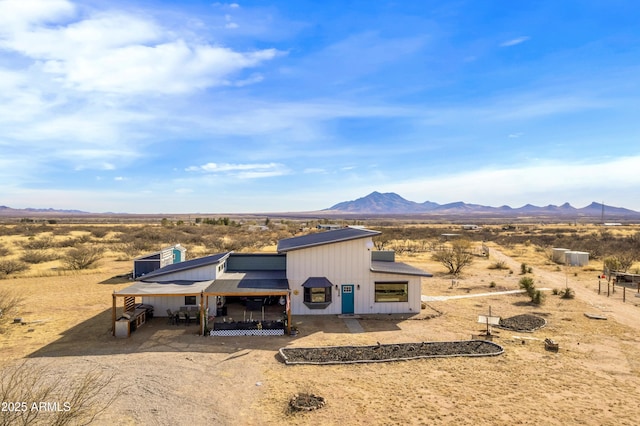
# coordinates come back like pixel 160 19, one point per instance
pixel 388 352
pixel 525 322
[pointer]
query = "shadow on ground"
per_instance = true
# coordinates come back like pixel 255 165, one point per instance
pixel 93 337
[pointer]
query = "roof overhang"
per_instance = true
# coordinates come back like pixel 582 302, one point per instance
pixel 317 282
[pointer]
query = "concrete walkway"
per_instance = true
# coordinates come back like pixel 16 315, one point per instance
pixel 353 325
pixel 465 296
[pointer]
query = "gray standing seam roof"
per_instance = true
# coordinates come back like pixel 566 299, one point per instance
pixel 187 264
pixel 397 268
pixel 325 237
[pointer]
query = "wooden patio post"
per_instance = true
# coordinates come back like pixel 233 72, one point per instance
pixel 113 315
pixel 201 313
pixel 288 314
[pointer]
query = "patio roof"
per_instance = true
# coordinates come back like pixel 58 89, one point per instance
pixel 252 283
pixel 165 288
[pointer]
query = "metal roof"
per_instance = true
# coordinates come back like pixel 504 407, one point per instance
pixel 317 282
pixel 187 264
pixel 326 237
pixel 168 288
pixel 397 268
pixel 253 282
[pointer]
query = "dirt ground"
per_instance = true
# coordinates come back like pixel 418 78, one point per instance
pixel 167 374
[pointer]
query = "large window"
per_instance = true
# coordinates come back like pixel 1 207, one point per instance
pixel 392 292
pixel 190 300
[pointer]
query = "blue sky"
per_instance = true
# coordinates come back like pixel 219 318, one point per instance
pixel 147 106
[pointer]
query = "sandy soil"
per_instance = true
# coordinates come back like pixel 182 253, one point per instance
pixel 168 374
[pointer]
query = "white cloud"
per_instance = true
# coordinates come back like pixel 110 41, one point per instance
pixel 114 52
pixel 515 135
pixel 515 41
pixel 242 171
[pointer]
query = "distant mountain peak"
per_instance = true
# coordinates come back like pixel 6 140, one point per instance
pixel 392 203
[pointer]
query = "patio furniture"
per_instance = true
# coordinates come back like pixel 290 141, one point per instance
pixel 193 314
pixel 173 317
pixel 183 316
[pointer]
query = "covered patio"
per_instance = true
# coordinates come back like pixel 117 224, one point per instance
pixel 237 303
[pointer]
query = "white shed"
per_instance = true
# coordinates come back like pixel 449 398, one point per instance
pixel 577 258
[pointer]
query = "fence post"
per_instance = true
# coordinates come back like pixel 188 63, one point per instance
pixel 624 294
pixel 598 286
pixel 608 289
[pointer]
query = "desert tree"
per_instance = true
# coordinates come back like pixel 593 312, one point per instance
pixel 455 258
pixel 9 303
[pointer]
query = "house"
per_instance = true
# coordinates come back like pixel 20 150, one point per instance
pixel 337 272
pixel 159 259
pixel 324 273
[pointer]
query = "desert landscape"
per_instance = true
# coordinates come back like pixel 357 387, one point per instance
pixel 167 374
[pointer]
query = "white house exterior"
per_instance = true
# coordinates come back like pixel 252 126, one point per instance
pixel 325 273
pixel 342 263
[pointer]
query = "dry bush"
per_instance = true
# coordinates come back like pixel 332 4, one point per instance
pixel 41 243
pixel 37 256
pixel 4 251
pixel 456 258
pixel 8 267
pixel 8 304
pixel 83 257
pixel 40 397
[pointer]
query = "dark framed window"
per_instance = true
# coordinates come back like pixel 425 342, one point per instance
pixel 317 298
pixel 391 292
pixel 190 300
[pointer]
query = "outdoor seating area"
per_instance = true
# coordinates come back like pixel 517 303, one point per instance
pixel 185 315
pixel 248 318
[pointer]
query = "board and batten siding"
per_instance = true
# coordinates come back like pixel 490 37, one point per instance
pixel 347 262
pixel 162 303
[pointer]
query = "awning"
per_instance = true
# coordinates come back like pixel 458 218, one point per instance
pixel 250 283
pixel 168 288
pixel 317 282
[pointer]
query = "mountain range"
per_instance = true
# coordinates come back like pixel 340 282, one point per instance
pixel 391 203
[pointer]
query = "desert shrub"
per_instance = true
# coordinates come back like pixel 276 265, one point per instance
pixel 8 304
pixel 37 256
pixel 99 232
pixel 8 267
pixel 499 264
pixel 81 399
pixel 567 293
pixel 524 269
pixel 528 285
pixel 41 243
pixel 492 284
pixel 83 257
pixel 555 291
pixel 4 251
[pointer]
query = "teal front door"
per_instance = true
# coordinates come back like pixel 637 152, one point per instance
pixel 347 298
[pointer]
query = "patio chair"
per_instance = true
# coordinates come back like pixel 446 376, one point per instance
pixel 193 314
pixel 173 317
pixel 183 316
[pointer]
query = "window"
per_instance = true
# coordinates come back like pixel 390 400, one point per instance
pixel 317 298
pixel 190 300
pixel 392 292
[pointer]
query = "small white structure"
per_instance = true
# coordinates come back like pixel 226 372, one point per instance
pixel 577 258
pixel 558 255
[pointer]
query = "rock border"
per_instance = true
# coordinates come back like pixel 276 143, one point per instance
pixel 331 355
pixel 523 329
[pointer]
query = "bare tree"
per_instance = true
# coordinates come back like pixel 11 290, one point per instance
pixel 457 257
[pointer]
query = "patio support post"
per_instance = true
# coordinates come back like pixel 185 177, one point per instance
pixel 201 313
pixel 288 314
pixel 113 315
